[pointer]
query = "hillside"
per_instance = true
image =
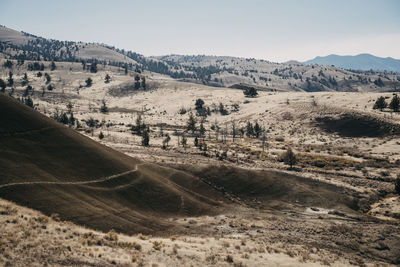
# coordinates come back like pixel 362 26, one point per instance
pixel 289 76
pixel 358 62
pixel 217 71
pixel 52 168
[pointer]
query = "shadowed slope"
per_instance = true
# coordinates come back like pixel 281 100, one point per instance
pixel 274 189
pixel 49 167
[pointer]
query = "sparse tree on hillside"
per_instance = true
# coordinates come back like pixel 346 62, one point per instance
pixel 107 78
pixel 89 82
pixel 289 158
pixel 101 135
pixel 395 103
pixel 48 78
pixel 249 129
pixel 10 79
pixel 380 103
pixel 166 141
pixel 222 109
pixel 202 129
pixel 263 140
pixel 93 67
pixel 71 120
pixel 103 108
pixel 64 118
pixel 8 64
pixel 25 80
pixel 140 125
pixel 27 90
pixel 184 141
pixel 137 82
pixel 199 103
pixel 143 84
pixel 52 66
pixel 250 92
pixel 3 85
pixel 145 137
pixel 257 129
pixel 29 102
pixel 379 82
pixel 50 87
pixel 126 69
pixel 191 124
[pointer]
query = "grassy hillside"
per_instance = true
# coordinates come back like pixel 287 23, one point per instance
pixel 49 167
pixel 217 71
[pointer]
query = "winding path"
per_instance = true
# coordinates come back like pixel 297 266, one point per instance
pixel 103 179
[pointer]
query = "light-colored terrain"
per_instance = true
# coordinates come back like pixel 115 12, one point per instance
pixel 364 163
pixel 31 238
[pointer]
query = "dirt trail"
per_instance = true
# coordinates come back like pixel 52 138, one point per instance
pixel 103 179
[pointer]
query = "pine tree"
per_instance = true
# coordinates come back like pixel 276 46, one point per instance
pixel 29 102
pixel 71 120
pixel 166 141
pixel 380 103
pixel 143 84
pixel 249 129
pixel 137 82
pixel 3 85
pixel 52 66
pixel 191 124
pixel 395 103
pixel 89 82
pixel 25 80
pixel 104 108
pixel 64 118
pixel 93 67
pixel 145 137
pixel 202 130
pixel 184 141
pixel 48 78
pixel 107 78
pixel 250 92
pixel 10 79
pixel 101 135
pixel 199 103
pixel 257 130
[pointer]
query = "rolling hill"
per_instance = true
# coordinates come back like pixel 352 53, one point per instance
pixel 49 167
pixel 358 62
pixel 218 71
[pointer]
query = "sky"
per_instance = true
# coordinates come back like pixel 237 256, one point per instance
pixel 273 30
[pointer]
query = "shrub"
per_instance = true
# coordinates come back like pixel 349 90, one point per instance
pixel 289 158
pixel 111 236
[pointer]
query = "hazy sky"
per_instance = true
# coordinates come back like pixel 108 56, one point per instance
pixel 273 30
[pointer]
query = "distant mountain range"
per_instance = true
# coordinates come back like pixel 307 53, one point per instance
pixel 358 62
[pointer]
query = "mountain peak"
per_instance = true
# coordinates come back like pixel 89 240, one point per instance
pixel 362 61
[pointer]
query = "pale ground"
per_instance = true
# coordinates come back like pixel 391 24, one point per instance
pixel 352 162
pixel 31 238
